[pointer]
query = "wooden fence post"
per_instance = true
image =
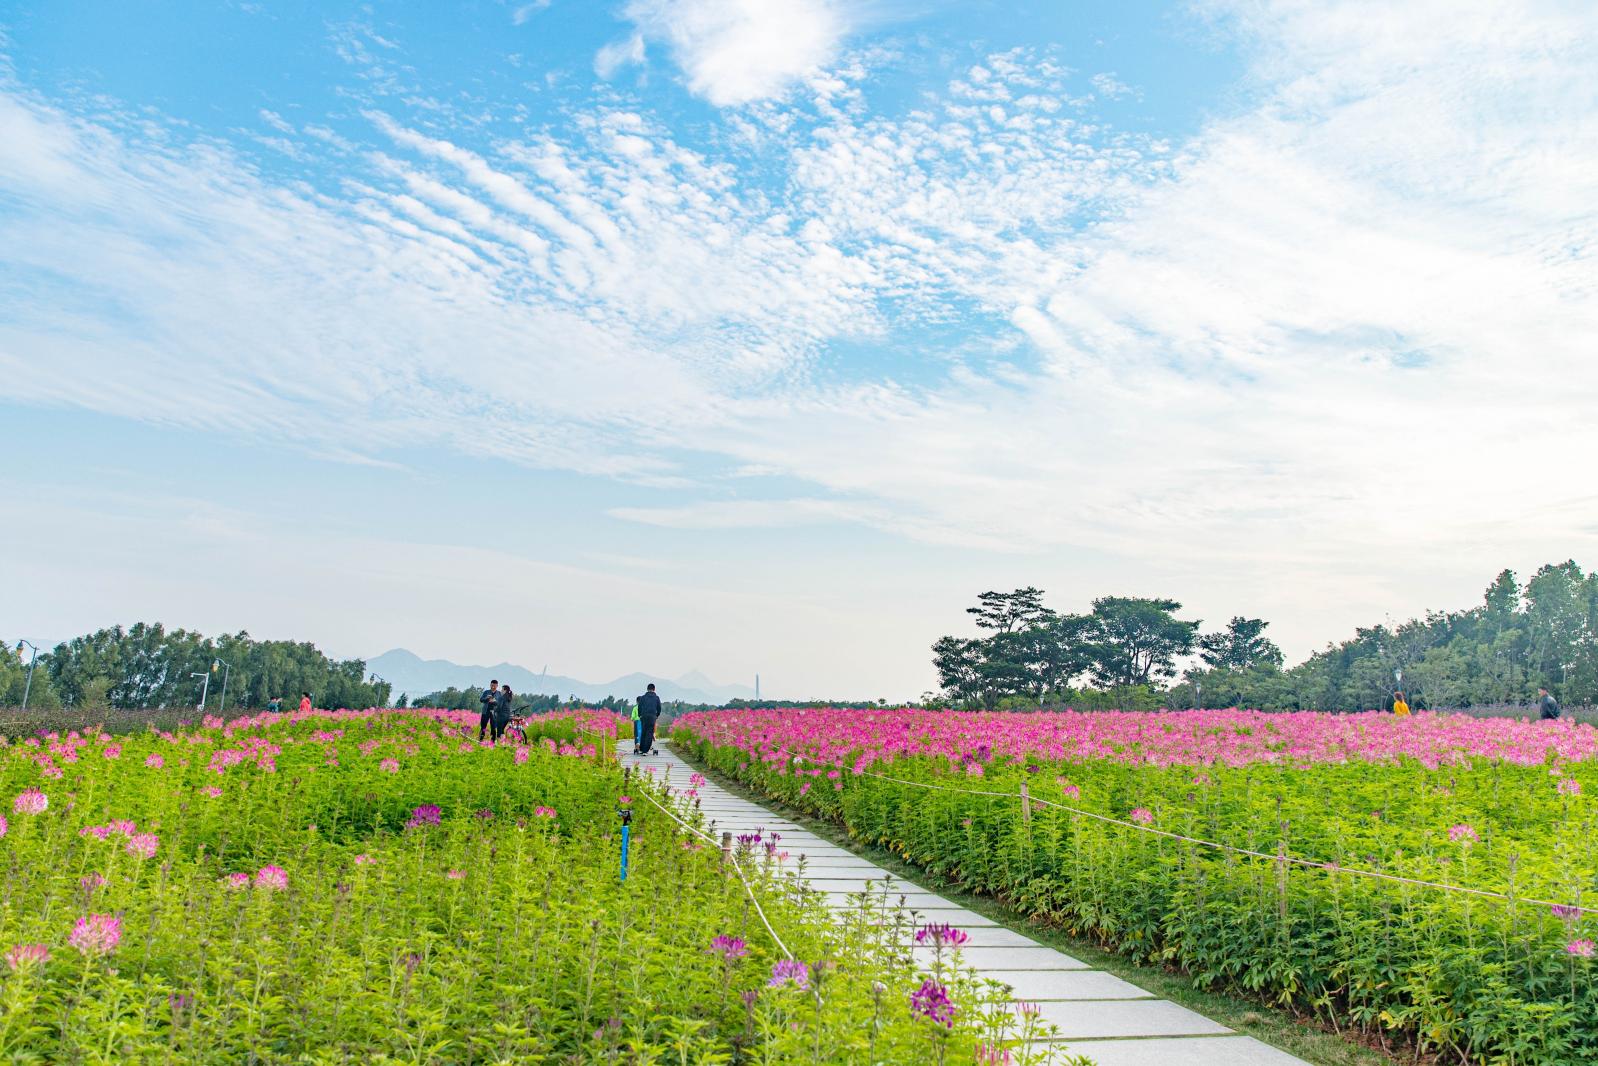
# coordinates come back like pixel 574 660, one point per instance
pixel 726 847
pixel 1026 804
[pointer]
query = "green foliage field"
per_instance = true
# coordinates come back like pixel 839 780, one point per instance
pixel 374 887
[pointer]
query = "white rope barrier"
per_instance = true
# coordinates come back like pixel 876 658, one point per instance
pixel 1329 867
pixel 736 865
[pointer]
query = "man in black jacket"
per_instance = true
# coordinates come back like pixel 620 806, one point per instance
pixel 1547 706
pixel 502 712
pixel 490 701
pixel 648 711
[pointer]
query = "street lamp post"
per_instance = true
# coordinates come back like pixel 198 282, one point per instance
pixel 374 679
pixel 32 662
pixel 227 668
pixel 205 689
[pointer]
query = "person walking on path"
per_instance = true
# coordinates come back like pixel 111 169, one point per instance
pixel 637 725
pixel 1400 708
pixel 305 703
pixel 502 712
pixel 648 711
pixel 489 699
pixel 1547 706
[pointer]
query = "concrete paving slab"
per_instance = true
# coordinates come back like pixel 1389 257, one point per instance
pixel 1066 984
pixel 1211 1051
pixel 1125 1017
pixel 989 937
pixel 1008 958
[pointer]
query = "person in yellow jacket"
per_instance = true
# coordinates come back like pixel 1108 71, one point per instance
pixel 1400 708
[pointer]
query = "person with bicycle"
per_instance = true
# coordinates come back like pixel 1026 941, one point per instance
pixel 502 707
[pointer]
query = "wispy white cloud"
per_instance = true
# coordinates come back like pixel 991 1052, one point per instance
pixel 524 12
pixel 737 51
pixel 618 54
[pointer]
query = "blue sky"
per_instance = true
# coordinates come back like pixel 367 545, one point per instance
pixel 761 336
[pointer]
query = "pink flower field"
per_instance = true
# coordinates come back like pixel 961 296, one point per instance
pixel 1435 874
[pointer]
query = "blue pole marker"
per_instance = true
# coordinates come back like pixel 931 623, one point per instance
pixel 626 836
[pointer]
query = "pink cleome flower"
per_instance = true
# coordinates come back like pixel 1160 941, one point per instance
pixel 142 845
pixel 522 755
pixel 364 860
pixel 5 826
pixel 1141 815
pixel 272 878
pixel 154 761
pixel 212 791
pixel 31 801
pixel 456 875
pixel 237 881
pixel 1462 833
pixel 788 971
pixel 96 934
pixel 1570 787
pixel 23 956
pixel 389 766
pixel 543 812
pixel 1582 948
pixel 113 752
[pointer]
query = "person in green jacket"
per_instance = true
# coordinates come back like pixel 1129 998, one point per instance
pixel 637 727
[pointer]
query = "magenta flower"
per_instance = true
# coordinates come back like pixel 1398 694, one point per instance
pixel 237 881
pixel 90 882
pixel 426 814
pixel 212 791
pixel 625 800
pixel 522 755
pixel 24 956
pixel 96 934
pixel 789 971
pixel 543 812
pixel 5 826
pixel 1581 948
pixel 456 875
pixel 1141 815
pixel 943 935
pixel 729 947
pixel 273 878
pixel 389 766
pixel 932 1000
pixel 1462 833
pixel 1569 787
pixel 363 860
pixel 142 845
pixel 31 801
pixel 154 761
pixel 113 752
pixel 1565 912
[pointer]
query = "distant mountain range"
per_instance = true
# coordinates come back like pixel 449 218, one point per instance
pixel 411 674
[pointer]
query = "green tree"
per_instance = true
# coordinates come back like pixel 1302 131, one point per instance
pixel 1136 641
pixel 1240 646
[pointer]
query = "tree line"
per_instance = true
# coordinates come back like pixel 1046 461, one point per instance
pixel 148 665
pixel 1138 653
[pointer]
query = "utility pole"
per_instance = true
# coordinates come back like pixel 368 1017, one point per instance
pixel 757 688
pixel 227 668
pixel 205 689
pixel 32 661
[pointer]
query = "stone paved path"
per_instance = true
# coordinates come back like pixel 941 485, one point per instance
pixel 1112 1021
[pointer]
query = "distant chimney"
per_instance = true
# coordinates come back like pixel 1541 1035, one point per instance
pixel 757 688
